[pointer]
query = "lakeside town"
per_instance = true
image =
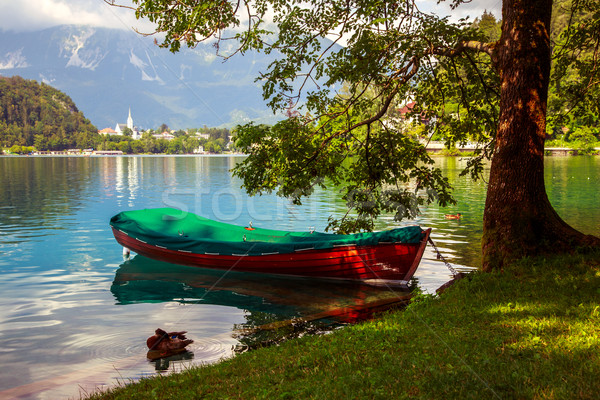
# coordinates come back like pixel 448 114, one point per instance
pixel 433 147
pixel 127 138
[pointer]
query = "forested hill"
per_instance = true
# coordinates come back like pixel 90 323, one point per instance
pixel 36 114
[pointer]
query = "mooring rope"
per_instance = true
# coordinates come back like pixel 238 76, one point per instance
pixel 441 257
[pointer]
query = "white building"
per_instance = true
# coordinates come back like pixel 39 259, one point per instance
pixel 107 131
pixel 121 127
pixel 165 135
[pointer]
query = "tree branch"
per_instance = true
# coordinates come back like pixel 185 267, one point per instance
pixel 385 106
pixel 488 48
pixel 114 4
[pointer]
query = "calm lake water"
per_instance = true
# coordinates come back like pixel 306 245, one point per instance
pixel 74 316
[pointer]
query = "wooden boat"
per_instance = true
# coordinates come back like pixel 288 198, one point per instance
pixel 184 238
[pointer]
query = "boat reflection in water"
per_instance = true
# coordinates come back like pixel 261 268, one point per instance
pixel 276 308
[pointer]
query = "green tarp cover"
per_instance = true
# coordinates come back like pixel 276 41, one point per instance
pixel 179 230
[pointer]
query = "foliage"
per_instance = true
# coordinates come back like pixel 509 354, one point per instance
pixel 340 100
pixel 341 163
pixel 16 149
pixel 585 139
pixel 213 133
pixel 471 91
pixel 489 26
pixel 35 114
pixel 566 88
pixel 345 66
pixel 183 143
pixel 573 99
pixel 31 98
pixel 450 152
pixel 347 127
pixel 488 336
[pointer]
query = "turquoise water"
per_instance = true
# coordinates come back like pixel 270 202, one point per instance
pixel 572 184
pixel 74 315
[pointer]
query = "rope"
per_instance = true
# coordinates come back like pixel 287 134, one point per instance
pixel 441 257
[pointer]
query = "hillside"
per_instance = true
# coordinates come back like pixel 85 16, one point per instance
pixel 36 114
pixel 107 71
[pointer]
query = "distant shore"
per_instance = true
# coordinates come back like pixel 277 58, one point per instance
pixel 433 148
pixel 549 152
pixel 124 155
pixel 470 148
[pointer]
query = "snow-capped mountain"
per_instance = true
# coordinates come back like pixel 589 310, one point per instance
pixel 107 71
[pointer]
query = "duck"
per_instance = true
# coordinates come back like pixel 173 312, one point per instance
pixel 453 216
pixel 163 344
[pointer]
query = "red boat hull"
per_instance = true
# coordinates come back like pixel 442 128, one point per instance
pixel 389 262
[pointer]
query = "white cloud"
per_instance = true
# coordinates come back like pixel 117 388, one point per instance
pixel 33 15
pixel 29 15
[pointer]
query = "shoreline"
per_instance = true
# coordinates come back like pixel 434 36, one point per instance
pixel 122 155
pixel 554 152
pixel 488 335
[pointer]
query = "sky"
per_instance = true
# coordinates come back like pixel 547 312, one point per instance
pixel 32 15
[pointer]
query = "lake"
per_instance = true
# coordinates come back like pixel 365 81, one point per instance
pixel 75 316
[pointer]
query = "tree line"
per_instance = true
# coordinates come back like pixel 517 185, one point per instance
pixel 183 143
pixel 36 116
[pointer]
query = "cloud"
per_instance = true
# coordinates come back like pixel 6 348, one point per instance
pixel 472 9
pixel 31 15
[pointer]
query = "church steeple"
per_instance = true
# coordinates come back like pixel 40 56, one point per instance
pixel 130 120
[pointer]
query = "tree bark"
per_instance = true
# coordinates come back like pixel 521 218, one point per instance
pixel 518 218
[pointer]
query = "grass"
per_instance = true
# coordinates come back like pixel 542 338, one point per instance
pixel 530 332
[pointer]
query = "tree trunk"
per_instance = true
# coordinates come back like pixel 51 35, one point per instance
pixel 518 218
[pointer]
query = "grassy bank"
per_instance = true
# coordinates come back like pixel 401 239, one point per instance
pixel 530 332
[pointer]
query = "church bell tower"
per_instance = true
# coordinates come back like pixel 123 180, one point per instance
pixel 130 120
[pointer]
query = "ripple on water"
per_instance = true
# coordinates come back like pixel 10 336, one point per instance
pixel 104 346
pixel 116 347
pixel 213 349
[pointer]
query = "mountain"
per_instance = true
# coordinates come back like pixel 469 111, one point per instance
pixel 107 71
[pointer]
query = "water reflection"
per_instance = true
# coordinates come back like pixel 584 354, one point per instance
pixel 64 287
pixel 275 308
pixel 36 194
pixel 141 280
pixel 164 364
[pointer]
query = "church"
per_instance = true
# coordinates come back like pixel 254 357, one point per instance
pixel 121 127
